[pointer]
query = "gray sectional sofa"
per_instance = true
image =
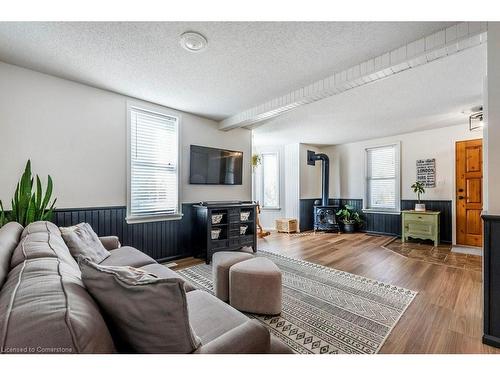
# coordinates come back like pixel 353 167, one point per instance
pixel 45 308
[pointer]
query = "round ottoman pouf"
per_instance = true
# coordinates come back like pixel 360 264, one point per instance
pixel 221 262
pixel 255 286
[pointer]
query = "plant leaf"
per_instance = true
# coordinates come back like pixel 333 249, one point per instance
pixel 30 212
pixel 38 200
pixel 24 194
pixel 48 194
pixel 3 218
pixel 47 215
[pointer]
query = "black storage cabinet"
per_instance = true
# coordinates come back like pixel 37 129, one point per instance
pixel 230 237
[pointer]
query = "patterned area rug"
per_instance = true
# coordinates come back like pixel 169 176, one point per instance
pixel 325 310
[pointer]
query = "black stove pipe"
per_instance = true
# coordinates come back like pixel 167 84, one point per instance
pixel 312 157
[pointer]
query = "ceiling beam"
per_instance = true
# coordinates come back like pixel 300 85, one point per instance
pixel 422 51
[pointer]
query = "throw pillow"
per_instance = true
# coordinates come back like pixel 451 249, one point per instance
pixel 82 240
pixel 148 314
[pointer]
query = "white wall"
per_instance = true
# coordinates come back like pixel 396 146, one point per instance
pixel 310 175
pixel 297 180
pixel 269 215
pixel 292 179
pixel 437 143
pixel 492 130
pixel 77 134
pixel 289 184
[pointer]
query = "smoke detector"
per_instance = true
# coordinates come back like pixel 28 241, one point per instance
pixel 193 42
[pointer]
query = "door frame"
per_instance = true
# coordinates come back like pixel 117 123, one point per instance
pixel 471 137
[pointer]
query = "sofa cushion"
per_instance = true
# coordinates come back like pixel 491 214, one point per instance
pixel 37 242
pixel 10 234
pixel 210 317
pixel 149 314
pixel 166 273
pixel 82 240
pixel 250 337
pixel 41 226
pixel 110 242
pixel 127 256
pixel 44 308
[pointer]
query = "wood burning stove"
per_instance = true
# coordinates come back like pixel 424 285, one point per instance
pixel 325 217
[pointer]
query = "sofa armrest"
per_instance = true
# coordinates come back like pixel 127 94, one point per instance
pixel 249 338
pixel 110 242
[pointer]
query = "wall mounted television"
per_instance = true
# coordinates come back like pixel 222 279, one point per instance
pixel 214 166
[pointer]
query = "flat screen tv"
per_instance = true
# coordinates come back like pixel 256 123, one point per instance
pixel 214 166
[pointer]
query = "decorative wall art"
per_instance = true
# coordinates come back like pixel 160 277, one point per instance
pixel 426 172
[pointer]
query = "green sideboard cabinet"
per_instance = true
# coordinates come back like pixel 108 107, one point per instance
pixel 423 225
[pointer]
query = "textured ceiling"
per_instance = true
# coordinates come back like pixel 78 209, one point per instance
pixel 430 96
pixel 245 63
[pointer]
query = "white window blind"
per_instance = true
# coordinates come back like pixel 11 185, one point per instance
pixel 382 178
pixel 154 158
pixel 270 180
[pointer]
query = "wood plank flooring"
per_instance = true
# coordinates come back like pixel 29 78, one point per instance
pixel 442 254
pixel 446 315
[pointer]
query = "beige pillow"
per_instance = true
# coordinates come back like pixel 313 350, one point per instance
pixel 82 240
pixel 148 314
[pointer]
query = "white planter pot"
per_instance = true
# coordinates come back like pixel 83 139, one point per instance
pixel 419 206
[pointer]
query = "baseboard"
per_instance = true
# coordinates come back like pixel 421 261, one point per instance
pixel 175 257
pixel 381 233
pixel 491 341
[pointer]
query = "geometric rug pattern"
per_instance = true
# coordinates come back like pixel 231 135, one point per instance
pixel 325 311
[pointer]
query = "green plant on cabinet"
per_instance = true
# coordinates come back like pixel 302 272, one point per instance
pixel 418 188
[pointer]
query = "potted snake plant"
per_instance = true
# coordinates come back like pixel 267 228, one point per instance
pixel 418 188
pixel 349 218
pixel 29 203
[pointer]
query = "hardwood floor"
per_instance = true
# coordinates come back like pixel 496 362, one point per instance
pixel 442 254
pixel 446 315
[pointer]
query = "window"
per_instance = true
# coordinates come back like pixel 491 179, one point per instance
pixel 382 178
pixel 270 181
pixel 153 165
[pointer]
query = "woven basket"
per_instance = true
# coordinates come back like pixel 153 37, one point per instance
pixel 286 225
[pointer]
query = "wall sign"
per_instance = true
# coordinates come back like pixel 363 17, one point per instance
pixel 426 172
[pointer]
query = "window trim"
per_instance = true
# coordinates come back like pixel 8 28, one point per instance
pixel 278 207
pixel 131 219
pixel 390 211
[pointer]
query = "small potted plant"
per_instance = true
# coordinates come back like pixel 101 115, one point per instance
pixel 256 161
pixel 418 188
pixel 350 218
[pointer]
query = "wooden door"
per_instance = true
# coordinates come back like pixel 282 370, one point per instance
pixel 469 192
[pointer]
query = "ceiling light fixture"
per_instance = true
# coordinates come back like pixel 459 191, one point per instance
pixel 193 41
pixel 476 118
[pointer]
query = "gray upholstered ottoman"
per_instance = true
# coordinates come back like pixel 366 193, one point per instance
pixel 255 286
pixel 221 262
